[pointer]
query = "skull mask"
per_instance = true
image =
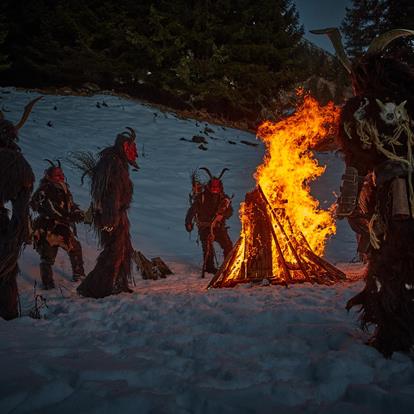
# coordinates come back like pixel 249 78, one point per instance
pixel 391 113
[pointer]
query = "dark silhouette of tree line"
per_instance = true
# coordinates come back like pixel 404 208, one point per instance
pixel 232 58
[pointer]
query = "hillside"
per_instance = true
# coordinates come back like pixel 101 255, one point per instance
pixel 171 345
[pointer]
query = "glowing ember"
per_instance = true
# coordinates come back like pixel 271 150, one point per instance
pixel 284 230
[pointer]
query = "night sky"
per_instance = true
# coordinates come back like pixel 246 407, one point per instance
pixel 318 14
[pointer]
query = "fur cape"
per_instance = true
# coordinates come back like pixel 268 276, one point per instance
pixel 16 183
pixel 376 135
pixel 111 190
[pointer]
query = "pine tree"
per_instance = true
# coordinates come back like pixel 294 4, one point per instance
pixel 399 14
pixel 4 62
pixel 363 21
pixel 367 19
pixel 231 57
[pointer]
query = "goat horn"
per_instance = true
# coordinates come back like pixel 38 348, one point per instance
pixel 383 40
pixel 221 174
pixel 50 162
pixel 132 133
pixel 207 171
pixel 26 113
pixel 59 164
pixel 336 39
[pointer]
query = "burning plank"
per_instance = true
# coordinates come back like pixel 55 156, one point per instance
pixel 269 249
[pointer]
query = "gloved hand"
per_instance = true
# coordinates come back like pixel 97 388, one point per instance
pixel 189 227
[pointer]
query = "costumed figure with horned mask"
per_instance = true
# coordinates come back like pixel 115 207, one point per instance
pixel 16 184
pixel 210 209
pixel 111 191
pixel 377 137
pixel 55 226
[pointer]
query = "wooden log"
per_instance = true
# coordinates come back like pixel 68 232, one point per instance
pixel 292 248
pixel 256 262
pixel 311 255
pixel 258 247
pixel 331 269
pixel 144 265
pixel 161 267
pixel 285 267
pixel 217 280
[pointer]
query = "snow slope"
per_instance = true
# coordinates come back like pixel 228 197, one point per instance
pixel 171 346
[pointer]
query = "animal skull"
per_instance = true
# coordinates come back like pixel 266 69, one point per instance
pixel 391 113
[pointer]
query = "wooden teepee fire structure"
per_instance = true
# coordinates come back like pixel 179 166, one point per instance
pixel 284 230
pixel 269 248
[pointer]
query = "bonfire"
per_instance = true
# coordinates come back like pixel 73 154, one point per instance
pixel 284 230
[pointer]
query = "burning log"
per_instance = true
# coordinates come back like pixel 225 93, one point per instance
pixel 284 230
pixel 271 248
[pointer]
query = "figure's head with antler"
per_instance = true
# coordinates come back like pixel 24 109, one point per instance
pixel 126 145
pixel 215 185
pixel 9 131
pixel 372 73
pixel 55 172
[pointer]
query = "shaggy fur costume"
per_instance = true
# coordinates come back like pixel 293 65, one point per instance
pixel 16 183
pixel 111 191
pixel 380 140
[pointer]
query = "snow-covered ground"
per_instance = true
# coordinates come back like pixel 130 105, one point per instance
pixel 172 346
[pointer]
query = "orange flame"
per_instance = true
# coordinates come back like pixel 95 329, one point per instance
pixel 289 167
pixel 284 177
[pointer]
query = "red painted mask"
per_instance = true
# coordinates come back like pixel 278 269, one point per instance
pixel 215 186
pixel 56 175
pixel 130 150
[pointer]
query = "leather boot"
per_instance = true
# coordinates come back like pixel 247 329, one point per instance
pixel 46 274
pixel 76 260
pixel 9 297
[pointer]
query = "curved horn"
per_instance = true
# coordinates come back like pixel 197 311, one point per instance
pixel 26 113
pixel 207 171
pixel 383 40
pixel 221 174
pixel 132 132
pixel 59 164
pixel 50 162
pixel 193 176
pixel 335 37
